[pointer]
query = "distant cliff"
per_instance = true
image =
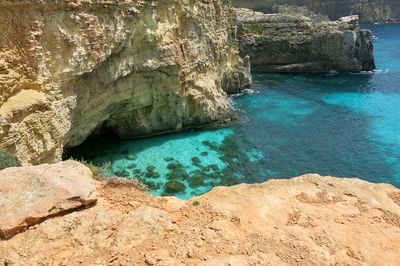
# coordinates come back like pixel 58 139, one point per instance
pixel 367 10
pixel 293 42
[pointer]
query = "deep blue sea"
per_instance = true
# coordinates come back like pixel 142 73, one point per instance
pixel 345 125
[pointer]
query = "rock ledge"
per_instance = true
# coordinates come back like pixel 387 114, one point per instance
pixel 308 220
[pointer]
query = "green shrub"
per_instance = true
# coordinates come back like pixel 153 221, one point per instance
pixel 196 203
pixel 98 172
pixel 94 168
pixel 255 28
pixel 8 160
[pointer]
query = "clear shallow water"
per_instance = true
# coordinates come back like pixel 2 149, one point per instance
pixel 343 125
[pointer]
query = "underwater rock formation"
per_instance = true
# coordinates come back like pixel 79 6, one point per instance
pixel 367 10
pixel 292 42
pixel 69 69
pixel 308 220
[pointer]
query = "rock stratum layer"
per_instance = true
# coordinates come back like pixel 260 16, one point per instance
pixel 72 68
pixel 292 42
pixel 367 10
pixel 309 220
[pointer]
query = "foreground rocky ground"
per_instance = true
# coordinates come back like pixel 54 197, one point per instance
pixel 308 220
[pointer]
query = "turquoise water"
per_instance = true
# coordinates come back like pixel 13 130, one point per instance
pixel 343 125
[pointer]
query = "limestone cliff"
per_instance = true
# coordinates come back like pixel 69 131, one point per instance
pixel 293 42
pixel 72 67
pixel 309 220
pixel 367 10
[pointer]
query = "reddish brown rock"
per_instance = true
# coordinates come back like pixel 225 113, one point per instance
pixel 29 195
pixel 309 220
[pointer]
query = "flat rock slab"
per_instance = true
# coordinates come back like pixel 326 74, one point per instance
pixel 29 195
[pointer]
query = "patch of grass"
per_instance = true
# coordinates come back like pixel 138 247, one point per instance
pixel 98 172
pixel 8 160
pixel 134 182
pixel 254 28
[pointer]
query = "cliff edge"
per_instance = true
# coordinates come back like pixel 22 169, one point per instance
pixel 69 69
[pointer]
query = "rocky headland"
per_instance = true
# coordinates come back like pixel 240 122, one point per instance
pixel 296 42
pixel 367 10
pixel 308 220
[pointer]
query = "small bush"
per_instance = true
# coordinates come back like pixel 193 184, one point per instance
pixel 98 172
pixel 255 28
pixel 196 203
pixel 8 160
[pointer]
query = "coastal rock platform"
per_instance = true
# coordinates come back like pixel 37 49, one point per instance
pixel 308 220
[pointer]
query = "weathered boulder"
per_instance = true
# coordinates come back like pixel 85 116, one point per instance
pixel 69 69
pixel 292 42
pixel 309 220
pixel 29 195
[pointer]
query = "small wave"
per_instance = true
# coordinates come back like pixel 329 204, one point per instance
pixel 246 91
pixel 381 71
pixel 376 72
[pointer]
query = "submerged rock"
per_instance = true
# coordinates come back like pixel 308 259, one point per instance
pixel 122 173
pixel 152 185
pixel 174 187
pixel 204 154
pixel 151 168
pixel 196 180
pixel 152 175
pixel 70 69
pixel 131 157
pixel 292 42
pixel 196 161
pixel 29 195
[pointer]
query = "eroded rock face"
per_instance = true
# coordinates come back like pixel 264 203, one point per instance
pixel 70 68
pixel 309 220
pixel 292 42
pixel 367 10
pixel 29 195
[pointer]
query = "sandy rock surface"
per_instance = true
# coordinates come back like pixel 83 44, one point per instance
pixel 309 220
pixel 29 195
